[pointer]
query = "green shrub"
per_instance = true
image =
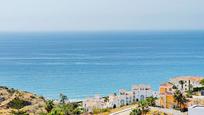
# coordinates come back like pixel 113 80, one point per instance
pixel 17 103
pixel 96 110
pixel 195 89
pixel 136 112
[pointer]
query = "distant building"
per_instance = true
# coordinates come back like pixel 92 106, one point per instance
pixel 196 110
pixel 166 95
pixel 137 93
pixel 93 103
pixel 189 82
pixel 142 91
pixel 167 90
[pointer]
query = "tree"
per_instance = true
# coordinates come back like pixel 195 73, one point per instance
pixel 181 82
pixel 151 101
pixel 49 105
pixel 143 104
pixel 180 99
pixel 174 87
pixel 202 82
pixel 183 101
pixel 177 97
pixel 63 98
pixel 66 109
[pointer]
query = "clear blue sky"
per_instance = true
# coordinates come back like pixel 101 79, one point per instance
pixel 96 15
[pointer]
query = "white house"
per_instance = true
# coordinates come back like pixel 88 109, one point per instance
pixel 94 102
pixel 137 93
pixel 123 97
pixel 188 82
pixel 142 91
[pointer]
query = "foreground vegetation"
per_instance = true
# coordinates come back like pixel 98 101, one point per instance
pixel 15 102
pixel 64 107
pixel 143 106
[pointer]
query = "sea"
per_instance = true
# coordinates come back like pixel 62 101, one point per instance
pixel 85 64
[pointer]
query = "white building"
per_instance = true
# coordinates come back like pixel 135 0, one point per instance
pixel 94 102
pixel 141 92
pixel 189 82
pixel 137 93
pixel 196 110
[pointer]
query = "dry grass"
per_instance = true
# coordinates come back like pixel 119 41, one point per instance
pixel 37 106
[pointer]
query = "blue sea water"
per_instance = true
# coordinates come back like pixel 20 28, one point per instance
pixel 82 64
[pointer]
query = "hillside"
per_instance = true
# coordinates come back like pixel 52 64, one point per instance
pixel 12 101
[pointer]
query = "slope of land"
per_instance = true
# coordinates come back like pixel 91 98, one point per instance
pixel 12 101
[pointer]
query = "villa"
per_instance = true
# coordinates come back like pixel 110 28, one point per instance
pixel 137 93
pixel 94 102
pixel 166 95
pixel 185 83
pixel 181 83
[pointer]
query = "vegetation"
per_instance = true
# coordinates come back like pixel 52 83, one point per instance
pixel 63 98
pixel 174 87
pixel 19 113
pixel 97 111
pixel 106 99
pixel 181 82
pixel 49 105
pixel 195 89
pixel 202 82
pixel 189 94
pixel 180 99
pixel 136 112
pixel 143 106
pixel 17 103
pixel 190 86
pixel 63 108
pixel 151 101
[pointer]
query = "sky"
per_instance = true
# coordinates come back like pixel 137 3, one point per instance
pixel 101 15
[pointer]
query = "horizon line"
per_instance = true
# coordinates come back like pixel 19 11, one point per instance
pixel 92 31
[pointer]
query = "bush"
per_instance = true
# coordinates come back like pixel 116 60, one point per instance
pixel 96 111
pixel 136 112
pixel 198 89
pixel 49 105
pixel 17 103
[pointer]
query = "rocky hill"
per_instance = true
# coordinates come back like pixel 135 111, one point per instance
pixel 14 102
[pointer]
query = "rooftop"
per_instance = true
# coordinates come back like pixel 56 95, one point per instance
pixel 166 84
pixel 192 78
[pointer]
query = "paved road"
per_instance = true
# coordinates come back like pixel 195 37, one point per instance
pixel 171 111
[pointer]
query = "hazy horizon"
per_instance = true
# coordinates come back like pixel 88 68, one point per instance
pixel 106 15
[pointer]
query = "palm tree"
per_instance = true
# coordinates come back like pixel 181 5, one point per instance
pixel 202 82
pixel 180 99
pixel 49 105
pixel 183 101
pixel 63 98
pixel 151 101
pixel 177 97
pixel 143 104
pixel 181 82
